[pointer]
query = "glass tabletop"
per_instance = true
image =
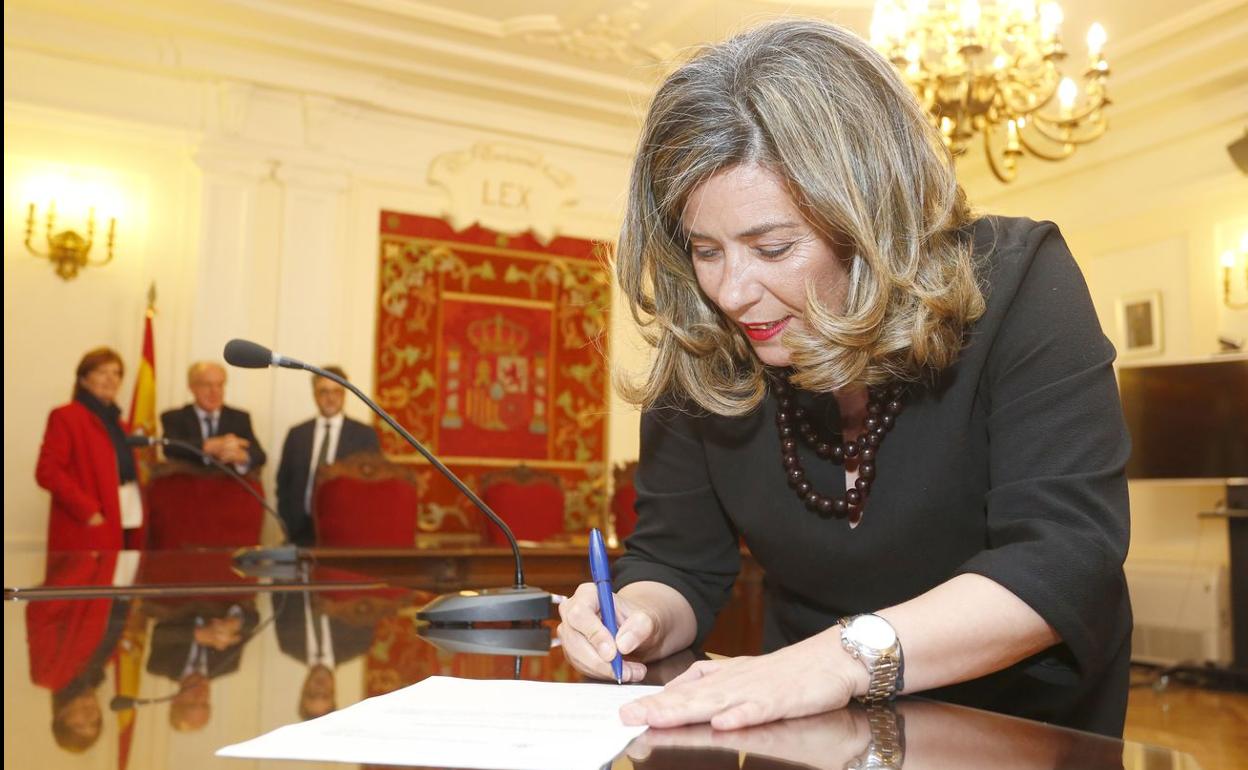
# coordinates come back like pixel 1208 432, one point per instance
pixel 155 680
pixel 30 572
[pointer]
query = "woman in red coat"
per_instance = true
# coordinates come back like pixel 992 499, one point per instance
pixel 70 642
pixel 85 463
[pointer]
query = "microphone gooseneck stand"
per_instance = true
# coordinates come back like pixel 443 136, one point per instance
pixel 255 560
pixel 125 702
pixel 516 603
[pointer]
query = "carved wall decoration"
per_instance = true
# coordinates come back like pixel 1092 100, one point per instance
pixel 492 351
pixel 608 36
pixel 505 188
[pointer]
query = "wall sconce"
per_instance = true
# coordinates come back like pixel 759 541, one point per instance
pixel 68 251
pixel 1230 261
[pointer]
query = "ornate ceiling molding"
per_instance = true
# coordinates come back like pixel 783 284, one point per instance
pixel 461 61
pixel 611 35
pixel 607 36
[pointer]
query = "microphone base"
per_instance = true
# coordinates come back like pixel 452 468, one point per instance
pixel 488 641
pixel 280 562
pixel 488 605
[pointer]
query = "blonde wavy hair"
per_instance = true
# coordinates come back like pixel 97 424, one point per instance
pixel 818 106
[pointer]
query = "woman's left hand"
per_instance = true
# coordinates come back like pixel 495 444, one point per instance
pixel 809 677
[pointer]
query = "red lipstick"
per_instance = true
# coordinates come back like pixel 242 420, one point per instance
pixel 765 331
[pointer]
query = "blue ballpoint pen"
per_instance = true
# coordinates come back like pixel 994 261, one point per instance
pixel 601 575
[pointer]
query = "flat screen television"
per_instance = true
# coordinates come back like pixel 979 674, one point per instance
pixel 1188 420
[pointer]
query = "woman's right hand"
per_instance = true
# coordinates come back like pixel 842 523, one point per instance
pixel 96 520
pixel 587 643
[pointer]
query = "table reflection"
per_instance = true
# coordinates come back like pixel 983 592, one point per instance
pixel 154 681
pixel 164 574
pixel 912 732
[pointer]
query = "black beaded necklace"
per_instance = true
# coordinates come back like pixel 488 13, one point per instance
pixel 883 406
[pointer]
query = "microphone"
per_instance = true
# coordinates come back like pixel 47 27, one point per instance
pixel 252 558
pixel 515 603
pixel 249 355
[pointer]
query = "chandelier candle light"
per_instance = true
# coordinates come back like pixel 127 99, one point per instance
pixel 1230 261
pixel 992 69
pixel 68 251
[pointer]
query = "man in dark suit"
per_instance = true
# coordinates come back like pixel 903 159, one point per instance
pixel 223 432
pixel 320 441
pixel 322 640
pixel 198 643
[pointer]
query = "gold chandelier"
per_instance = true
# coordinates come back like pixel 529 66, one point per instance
pixel 992 69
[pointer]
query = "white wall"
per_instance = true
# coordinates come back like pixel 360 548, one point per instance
pixel 256 211
pixel 50 323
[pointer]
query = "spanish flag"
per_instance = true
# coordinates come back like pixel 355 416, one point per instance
pixel 128 668
pixel 143 403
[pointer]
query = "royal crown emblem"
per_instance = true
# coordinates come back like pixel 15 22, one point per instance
pixel 497 336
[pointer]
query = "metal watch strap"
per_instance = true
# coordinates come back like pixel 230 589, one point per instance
pixel 887 749
pixel 883 684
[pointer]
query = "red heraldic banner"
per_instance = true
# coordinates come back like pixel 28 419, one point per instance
pixel 491 349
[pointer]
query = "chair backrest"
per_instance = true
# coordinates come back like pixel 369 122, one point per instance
pixel 624 499
pixel 530 501
pixel 365 500
pixel 197 506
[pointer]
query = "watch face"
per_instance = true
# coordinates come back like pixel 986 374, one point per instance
pixel 872 631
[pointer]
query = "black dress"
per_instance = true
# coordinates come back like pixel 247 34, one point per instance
pixel 1009 466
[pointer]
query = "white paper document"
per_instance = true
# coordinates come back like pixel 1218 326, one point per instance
pixel 491 724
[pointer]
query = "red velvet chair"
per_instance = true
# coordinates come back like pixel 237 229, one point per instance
pixel 365 500
pixel 530 501
pixel 192 506
pixel 624 499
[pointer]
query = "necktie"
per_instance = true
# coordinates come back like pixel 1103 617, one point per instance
pixel 322 457
pixel 209 428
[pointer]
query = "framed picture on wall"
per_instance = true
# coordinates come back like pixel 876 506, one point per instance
pixel 1139 324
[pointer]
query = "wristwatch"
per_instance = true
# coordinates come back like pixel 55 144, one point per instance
pixel 887 749
pixel 872 640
